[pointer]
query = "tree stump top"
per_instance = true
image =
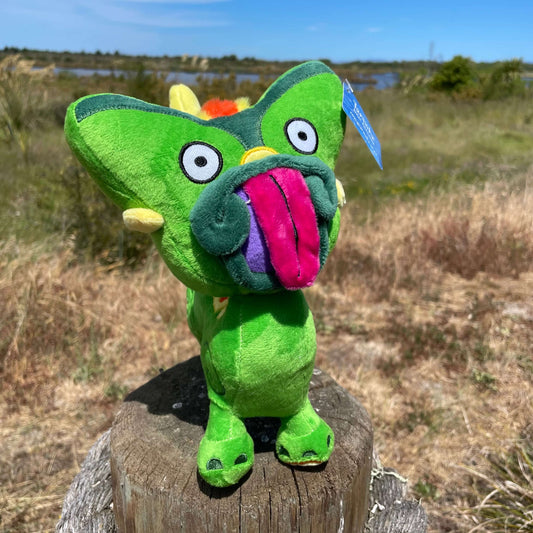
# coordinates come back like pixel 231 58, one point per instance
pixel 156 486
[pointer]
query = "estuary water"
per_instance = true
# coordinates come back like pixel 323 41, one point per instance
pixel 381 81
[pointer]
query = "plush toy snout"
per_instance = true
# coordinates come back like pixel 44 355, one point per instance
pixel 268 219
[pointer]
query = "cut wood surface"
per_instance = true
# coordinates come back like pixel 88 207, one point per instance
pixel 151 451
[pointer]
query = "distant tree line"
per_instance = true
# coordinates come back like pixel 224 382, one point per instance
pixel 226 64
pixel 462 78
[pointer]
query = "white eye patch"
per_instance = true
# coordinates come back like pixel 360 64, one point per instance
pixel 200 162
pixel 302 135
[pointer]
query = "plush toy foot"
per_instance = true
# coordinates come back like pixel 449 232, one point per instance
pixel 304 439
pixel 226 452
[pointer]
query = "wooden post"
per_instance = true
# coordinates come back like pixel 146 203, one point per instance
pixel 156 487
pixel 152 449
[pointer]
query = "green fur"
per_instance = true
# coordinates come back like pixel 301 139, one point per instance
pixel 334 228
pixel 260 350
pixel 133 155
pixel 314 99
pixel 257 352
pixel 258 359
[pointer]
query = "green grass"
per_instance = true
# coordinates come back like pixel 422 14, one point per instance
pixel 32 196
pixel 429 141
pixel 433 142
pixel 506 490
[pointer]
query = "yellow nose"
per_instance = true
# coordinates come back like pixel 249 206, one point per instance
pixel 256 153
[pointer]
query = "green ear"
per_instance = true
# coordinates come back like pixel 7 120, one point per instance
pixel 132 150
pixel 311 91
pixel 318 101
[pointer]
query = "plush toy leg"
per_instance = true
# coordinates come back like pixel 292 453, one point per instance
pixel 304 439
pixel 226 452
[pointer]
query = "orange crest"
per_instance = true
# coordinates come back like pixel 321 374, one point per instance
pixel 219 108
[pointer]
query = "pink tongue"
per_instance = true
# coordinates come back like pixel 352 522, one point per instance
pixel 282 204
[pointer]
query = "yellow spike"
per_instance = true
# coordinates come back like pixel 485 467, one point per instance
pixel 243 102
pixel 341 196
pixel 183 99
pixel 143 220
pixel 203 115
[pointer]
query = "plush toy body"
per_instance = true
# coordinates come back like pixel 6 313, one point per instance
pixel 258 359
pixel 243 209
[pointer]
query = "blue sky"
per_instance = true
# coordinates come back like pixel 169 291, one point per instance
pixel 277 29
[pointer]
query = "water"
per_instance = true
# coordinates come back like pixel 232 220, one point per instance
pixel 188 78
pixel 383 81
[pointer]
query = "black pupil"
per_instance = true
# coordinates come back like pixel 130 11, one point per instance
pixel 200 161
pixel 302 136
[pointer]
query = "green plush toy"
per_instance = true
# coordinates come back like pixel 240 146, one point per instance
pixel 244 210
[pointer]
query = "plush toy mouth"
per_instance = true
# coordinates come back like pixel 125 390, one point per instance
pixel 268 221
pixel 283 234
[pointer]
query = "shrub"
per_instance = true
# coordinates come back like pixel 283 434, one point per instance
pixel 226 87
pixel 21 97
pixel 413 82
pixel 455 76
pixel 494 246
pixel 505 80
pixel 148 86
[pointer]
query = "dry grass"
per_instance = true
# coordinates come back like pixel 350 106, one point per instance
pixel 487 229
pixel 21 98
pixel 429 323
pixel 426 318
pixel 75 338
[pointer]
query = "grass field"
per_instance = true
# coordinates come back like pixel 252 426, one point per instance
pixel 424 311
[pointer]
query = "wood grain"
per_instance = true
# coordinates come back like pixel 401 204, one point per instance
pixel 152 452
pixel 156 486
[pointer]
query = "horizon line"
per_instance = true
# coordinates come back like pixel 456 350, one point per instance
pixel 242 58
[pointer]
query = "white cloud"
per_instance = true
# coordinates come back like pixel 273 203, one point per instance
pixel 177 2
pixel 142 15
pixel 121 12
pixel 53 12
pixel 320 26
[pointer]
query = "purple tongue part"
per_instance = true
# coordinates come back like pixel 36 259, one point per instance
pixel 255 249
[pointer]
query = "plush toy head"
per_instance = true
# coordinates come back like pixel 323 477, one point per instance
pixel 236 204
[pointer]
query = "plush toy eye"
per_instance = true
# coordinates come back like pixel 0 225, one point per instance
pixel 200 162
pixel 302 135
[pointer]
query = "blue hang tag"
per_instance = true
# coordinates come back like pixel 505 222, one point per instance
pixel 354 110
